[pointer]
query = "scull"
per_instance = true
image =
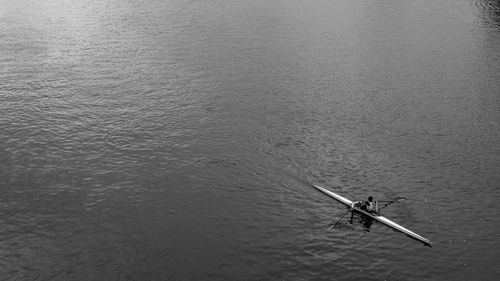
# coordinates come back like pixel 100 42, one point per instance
pixel 376 217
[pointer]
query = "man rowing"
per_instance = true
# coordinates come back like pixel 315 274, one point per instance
pixel 375 218
pixel 369 206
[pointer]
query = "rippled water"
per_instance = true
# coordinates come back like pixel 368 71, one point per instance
pixel 177 140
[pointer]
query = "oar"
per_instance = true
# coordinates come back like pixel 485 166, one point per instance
pixel 389 202
pixel 339 220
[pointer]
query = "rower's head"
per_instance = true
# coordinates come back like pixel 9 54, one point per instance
pixel 370 199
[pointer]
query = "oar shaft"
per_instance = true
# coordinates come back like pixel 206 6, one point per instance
pixel 339 220
pixel 387 204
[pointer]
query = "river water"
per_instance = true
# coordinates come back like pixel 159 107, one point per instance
pixel 178 140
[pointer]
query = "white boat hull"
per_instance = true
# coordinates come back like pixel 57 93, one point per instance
pixel 381 219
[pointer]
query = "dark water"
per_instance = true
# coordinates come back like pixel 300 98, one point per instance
pixel 176 140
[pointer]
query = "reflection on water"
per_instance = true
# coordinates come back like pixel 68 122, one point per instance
pixel 164 140
pixel 490 12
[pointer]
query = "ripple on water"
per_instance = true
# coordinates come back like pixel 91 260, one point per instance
pixel 490 13
pixel 178 139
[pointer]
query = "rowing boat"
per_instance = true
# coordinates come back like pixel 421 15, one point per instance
pixel 379 218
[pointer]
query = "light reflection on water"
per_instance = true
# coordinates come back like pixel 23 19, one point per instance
pixel 151 140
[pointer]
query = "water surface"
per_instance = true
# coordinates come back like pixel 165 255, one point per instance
pixel 177 140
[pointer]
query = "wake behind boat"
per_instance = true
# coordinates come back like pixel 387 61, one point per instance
pixel 379 218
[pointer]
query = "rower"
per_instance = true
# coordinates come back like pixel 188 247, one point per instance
pixel 367 206
pixel 370 206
